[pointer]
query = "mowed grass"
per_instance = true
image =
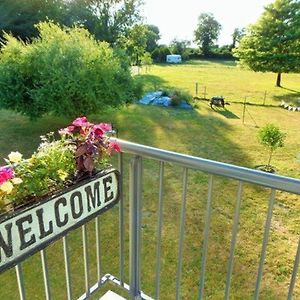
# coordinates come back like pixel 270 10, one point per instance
pixel 217 135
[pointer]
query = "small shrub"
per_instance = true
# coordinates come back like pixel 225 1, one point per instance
pixel 272 138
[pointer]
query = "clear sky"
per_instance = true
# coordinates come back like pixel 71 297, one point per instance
pixel 178 19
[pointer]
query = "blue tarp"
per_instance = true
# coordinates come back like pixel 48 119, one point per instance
pixel 156 98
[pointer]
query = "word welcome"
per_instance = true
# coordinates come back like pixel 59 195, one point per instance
pixel 31 230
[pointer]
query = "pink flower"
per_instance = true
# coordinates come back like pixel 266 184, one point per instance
pixel 67 130
pixel 113 146
pixel 98 131
pixel 81 122
pixel 6 174
pixel 105 126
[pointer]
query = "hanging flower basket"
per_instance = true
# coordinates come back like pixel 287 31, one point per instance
pixel 62 185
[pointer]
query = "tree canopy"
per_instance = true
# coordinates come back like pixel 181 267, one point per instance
pixel 273 43
pixel 207 32
pixel 106 19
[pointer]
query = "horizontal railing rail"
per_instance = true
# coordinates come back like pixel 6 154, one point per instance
pixel 218 168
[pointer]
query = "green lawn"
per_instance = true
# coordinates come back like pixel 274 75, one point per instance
pixel 218 135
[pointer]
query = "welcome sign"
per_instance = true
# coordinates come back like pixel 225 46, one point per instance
pixel 28 231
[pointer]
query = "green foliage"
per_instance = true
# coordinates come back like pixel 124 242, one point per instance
pixel 147 60
pixel 273 43
pixel 64 72
pixel 19 17
pixel 271 137
pixel 207 32
pixel 152 37
pixel 177 96
pixel 107 20
pixel 181 48
pixel 135 43
pixel 159 54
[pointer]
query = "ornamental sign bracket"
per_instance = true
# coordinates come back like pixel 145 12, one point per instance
pixel 25 232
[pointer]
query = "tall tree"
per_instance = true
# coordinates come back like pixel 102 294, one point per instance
pixel 114 17
pixel 19 17
pixel 207 32
pixel 273 43
pixel 237 36
pixel 153 37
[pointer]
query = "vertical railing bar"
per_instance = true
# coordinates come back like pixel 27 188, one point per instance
pixel 98 248
pixel 121 219
pixel 294 274
pixel 181 233
pixel 20 281
pixel 67 267
pixel 159 228
pixel 206 236
pixel 264 245
pixel 45 274
pixel 86 260
pixel 135 226
pixel 234 238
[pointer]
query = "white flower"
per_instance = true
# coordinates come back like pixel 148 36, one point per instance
pixel 6 187
pixel 15 157
pixel 17 180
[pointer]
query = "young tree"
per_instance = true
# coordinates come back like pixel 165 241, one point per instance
pixel 207 32
pixel 273 43
pixel 271 137
pixel 147 60
pixel 135 43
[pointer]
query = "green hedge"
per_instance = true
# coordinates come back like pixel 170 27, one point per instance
pixel 64 71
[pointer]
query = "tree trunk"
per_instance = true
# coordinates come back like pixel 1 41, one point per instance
pixel 270 157
pixel 278 80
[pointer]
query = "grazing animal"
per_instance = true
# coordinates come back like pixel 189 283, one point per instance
pixel 217 101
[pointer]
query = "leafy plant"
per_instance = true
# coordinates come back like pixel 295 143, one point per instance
pixel 271 137
pixel 83 148
pixel 64 71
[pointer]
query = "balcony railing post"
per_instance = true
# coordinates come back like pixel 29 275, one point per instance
pixel 135 194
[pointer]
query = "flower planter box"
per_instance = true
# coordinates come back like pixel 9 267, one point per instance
pixel 31 228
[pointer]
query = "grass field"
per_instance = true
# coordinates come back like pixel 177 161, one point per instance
pixel 218 135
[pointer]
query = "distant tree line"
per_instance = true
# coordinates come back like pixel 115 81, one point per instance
pixel 271 44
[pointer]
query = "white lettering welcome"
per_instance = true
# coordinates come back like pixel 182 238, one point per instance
pixel 31 229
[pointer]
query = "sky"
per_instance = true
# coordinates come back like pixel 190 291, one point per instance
pixel 178 19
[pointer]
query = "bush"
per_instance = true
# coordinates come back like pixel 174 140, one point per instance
pixel 177 96
pixel 272 138
pixel 64 72
pixel 159 55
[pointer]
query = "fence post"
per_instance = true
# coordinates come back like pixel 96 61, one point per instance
pixel 244 110
pixel 196 88
pixel 204 94
pixel 135 197
pixel 265 96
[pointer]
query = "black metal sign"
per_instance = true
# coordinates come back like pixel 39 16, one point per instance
pixel 25 232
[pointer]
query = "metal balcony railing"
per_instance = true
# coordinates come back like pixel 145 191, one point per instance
pixel 137 154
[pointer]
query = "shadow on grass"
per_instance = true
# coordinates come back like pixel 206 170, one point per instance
pixel 291 90
pixel 227 114
pixel 151 82
pixel 290 98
